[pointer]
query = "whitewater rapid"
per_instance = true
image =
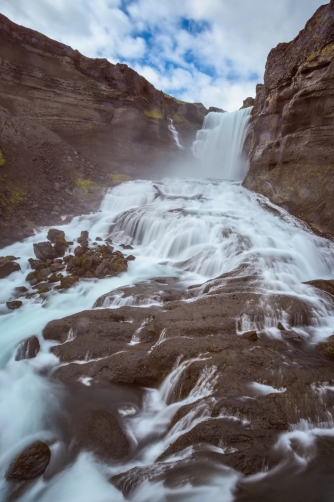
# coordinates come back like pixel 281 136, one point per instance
pixel 192 230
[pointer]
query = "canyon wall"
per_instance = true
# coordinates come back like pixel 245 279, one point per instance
pixel 291 138
pixel 71 126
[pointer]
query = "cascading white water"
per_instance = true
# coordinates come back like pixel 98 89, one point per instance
pixel 175 134
pixel 190 230
pixel 219 145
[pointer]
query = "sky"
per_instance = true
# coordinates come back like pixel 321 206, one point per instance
pixel 208 51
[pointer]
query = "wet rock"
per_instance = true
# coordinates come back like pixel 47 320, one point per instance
pixel 14 305
pixel 102 434
pixel 280 326
pixel 250 335
pixel 37 264
pixel 130 257
pixel 28 349
pixel 20 291
pixel 237 441
pixel 7 266
pixel 98 239
pixel 56 267
pixel 68 281
pixel 54 234
pixel 79 251
pixel 328 346
pixel 83 239
pixel 44 251
pixel 38 276
pixel 31 463
pixel 327 286
pixel 126 246
pixel 60 246
pixel 102 270
pixel 118 265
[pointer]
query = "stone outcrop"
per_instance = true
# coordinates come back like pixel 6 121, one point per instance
pixel 291 136
pixel 8 266
pixel 31 463
pixel 70 125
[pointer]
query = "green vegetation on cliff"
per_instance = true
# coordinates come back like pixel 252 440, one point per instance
pixel 84 184
pixel 153 114
pixel 2 159
pixel 119 178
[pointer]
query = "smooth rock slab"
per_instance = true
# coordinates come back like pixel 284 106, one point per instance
pixel 30 464
pixel 102 434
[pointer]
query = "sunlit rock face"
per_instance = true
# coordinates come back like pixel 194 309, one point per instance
pixel 291 136
pixel 69 122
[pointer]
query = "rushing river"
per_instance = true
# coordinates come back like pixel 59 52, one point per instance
pixel 189 229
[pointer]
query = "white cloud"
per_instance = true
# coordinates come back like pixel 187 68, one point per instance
pixel 215 65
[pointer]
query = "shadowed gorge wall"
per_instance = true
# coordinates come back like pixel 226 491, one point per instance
pixel 291 136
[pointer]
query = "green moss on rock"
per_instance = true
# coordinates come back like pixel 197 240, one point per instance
pixel 2 159
pixel 154 114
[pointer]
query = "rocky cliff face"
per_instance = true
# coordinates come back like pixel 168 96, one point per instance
pixel 291 136
pixel 69 125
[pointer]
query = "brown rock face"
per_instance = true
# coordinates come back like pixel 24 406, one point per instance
pixel 291 136
pixel 69 123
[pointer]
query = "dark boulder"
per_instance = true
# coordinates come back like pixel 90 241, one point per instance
pixel 7 266
pixel 36 264
pixel 28 349
pixel 54 234
pixel 31 463
pixel 14 305
pixel 20 291
pixel 83 239
pixel 250 335
pixel 60 245
pixel 44 251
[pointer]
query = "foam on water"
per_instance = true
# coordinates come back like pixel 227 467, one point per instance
pixel 187 229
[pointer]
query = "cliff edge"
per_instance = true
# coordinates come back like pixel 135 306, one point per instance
pixel 291 135
pixel 70 126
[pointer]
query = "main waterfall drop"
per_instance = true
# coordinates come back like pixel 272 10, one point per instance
pixel 219 145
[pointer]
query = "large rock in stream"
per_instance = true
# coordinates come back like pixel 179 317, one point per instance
pixel 30 464
pixel 8 266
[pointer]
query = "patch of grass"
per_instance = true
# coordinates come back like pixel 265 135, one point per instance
pixel 2 159
pixel 119 178
pixel 84 184
pixel 154 114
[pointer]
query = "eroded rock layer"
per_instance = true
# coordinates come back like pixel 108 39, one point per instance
pixel 291 136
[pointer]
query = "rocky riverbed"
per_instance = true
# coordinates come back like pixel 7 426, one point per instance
pixel 155 377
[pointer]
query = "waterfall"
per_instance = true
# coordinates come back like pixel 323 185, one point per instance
pixel 219 144
pixel 175 134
